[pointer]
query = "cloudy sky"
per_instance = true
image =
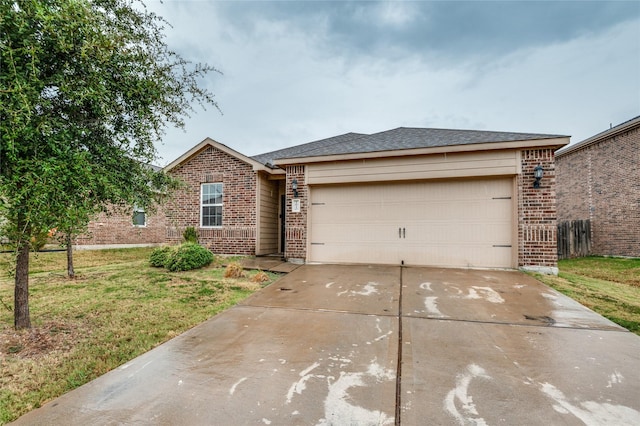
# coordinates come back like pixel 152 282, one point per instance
pixel 297 71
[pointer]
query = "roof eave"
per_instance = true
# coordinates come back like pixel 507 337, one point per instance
pixel 257 166
pixel 555 143
pixel 600 136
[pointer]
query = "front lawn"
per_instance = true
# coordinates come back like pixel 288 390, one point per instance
pixel 117 308
pixel 609 286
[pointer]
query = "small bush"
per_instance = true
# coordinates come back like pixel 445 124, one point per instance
pixel 160 256
pixel 260 277
pixel 234 270
pixel 189 256
pixel 190 235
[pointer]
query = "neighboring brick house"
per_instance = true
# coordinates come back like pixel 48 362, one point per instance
pixel 130 229
pixel 413 196
pixel 122 228
pixel 599 180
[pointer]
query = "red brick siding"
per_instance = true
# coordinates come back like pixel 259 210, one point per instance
pixel 537 226
pixel 117 228
pixel 238 232
pixel 537 240
pixel 601 182
pixel 296 223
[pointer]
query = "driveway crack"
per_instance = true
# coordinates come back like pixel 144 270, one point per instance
pixel 399 365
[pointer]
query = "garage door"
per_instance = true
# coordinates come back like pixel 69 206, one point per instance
pixel 466 223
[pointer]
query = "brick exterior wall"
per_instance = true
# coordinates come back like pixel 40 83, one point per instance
pixel 601 182
pixel 296 223
pixel 116 228
pixel 537 217
pixel 238 232
pixel 537 224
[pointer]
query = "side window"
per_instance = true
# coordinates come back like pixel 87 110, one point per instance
pixel 211 205
pixel 139 217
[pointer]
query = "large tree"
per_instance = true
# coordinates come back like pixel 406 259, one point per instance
pixel 86 89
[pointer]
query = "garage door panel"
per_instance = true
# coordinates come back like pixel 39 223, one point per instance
pixel 337 253
pixel 458 233
pixel 458 255
pixel 339 233
pixel 444 223
pixel 348 214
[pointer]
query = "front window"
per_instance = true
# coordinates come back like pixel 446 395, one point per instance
pixel 211 205
pixel 139 217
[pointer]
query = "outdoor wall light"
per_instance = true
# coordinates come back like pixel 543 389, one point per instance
pixel 537 173
pixel 294 186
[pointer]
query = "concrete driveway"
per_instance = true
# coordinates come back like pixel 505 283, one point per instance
pixel 378 345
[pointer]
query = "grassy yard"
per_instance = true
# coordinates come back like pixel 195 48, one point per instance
pixel 117 308
pixel 609 286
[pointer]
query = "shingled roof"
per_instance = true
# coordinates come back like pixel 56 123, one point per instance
pixel 394 140
pixel 302 150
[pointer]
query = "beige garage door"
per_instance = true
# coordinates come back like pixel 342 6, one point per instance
pixel 466 223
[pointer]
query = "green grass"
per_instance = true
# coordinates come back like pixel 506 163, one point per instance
pixel 608 286
pixel 117 308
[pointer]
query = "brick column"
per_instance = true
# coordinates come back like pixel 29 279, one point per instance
pixel 537 222
pixel 296 223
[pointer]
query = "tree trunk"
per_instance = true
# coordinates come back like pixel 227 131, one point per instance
pixel 21 317
pixel 70 271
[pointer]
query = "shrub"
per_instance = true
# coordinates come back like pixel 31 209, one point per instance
pixel 190 235
pixel 234 270
pixel 160 256
pixel 260 277
pixel 189 256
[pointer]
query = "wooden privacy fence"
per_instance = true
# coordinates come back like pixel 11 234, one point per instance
pixel 574 239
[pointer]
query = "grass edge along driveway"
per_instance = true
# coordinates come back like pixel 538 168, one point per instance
pixel 609 286
pixel 117 308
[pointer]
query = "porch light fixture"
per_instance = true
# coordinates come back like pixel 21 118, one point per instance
pixel 537 173
pixel 294 186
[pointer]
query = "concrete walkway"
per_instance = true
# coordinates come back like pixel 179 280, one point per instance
pixel 377 345
pixel 269 263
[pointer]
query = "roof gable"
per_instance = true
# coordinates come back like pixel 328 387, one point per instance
pixel 217 145
pixel 399 141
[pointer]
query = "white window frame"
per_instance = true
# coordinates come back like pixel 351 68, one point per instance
pixel 203 205
pixel 137 210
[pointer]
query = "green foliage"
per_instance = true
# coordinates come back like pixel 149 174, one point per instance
pixel 190 235
pixel 39 240
pixel 189 256
pixel 160 256
pixel 185 257
pixel 86 89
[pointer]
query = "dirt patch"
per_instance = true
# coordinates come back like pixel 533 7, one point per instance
pixel 51 337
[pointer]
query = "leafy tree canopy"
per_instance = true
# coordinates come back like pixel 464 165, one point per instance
pixel 86 89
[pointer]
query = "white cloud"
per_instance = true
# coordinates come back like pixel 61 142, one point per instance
pixel 286 84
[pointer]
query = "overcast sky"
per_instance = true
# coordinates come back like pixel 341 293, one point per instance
pixel 298 71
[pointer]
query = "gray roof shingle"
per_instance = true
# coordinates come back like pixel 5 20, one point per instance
pixel 396 139
pixel 301 150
